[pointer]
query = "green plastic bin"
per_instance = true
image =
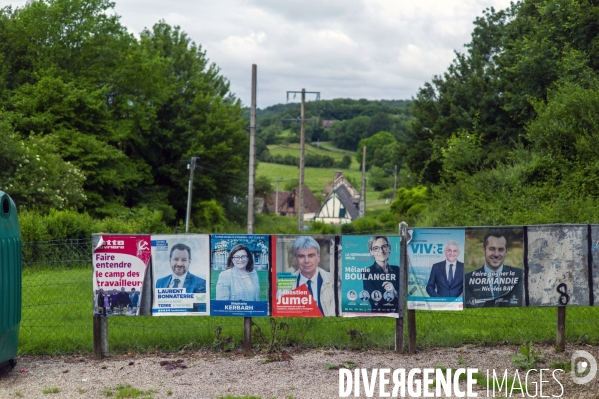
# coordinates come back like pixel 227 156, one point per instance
pixel 10 282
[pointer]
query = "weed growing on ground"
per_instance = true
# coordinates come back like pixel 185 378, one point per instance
pixel 345 365
pixel 51 390
pixel 227 343
pixel 357 340
pixel 528 357
pixel 239 397
pixel 566 366
pixel 278 339
pixel 127 391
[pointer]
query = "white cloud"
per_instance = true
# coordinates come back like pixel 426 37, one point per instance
pixel 343 48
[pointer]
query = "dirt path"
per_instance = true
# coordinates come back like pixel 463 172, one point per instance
pixel 206 374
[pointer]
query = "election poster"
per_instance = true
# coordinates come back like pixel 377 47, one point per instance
pixel 369 275
pixel 303 283
pixel 120 263
pixel 558 271
pixel 594 249
pixel 239 275
pixel 181 266
pixel 494 267
pixel 436 269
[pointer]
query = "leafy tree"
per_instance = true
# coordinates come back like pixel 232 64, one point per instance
pixel 379 179
pixel 344 163
pixel 124 111
pixel 410 202
pixel 291 184
pixel 382 150
pixel 469 97
pixel 34 175
pixel 263 186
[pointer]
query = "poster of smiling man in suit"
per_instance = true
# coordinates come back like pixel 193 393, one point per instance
pixel 494 268
pixel 436 269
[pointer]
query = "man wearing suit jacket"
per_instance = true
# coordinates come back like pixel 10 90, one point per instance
pixel 317 280
pixel 494 284
pixel 180 258
pixel 447 277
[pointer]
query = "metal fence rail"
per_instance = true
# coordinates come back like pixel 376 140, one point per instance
pixel 58 308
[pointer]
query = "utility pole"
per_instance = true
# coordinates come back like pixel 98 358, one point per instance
pixel 251 188
pixel 247 321
pixel 394 182
pixel 277 197
pixel 191 166
pixel 363 196
pixel 300 212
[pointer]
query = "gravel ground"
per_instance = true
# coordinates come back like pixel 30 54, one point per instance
pixel 207 374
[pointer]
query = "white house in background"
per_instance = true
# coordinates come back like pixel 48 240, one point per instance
pixel 340 180
pixel 338 208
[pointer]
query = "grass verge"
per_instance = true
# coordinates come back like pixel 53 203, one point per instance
pixel 57 319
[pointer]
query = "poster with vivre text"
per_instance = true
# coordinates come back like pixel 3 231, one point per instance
pixel 436 269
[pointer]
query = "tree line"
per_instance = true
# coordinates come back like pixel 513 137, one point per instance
pixel 509 133
pixel 95 119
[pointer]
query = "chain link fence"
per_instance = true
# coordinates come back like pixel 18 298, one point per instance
pixel 58 308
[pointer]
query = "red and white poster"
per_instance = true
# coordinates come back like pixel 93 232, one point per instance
pixel 120 263
pixel 302 276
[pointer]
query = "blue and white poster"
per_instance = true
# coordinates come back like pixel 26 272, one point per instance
pixel 436 269
pixel 370 276
pixel 239 275
pixel 181 266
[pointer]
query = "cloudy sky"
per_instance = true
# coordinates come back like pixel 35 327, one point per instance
pixel 374 49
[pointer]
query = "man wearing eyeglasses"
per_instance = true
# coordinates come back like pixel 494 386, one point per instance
pixel 180 259
pixel 318 281
pixel 381 277
pixel 447 277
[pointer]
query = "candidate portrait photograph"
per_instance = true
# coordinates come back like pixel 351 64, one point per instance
pixel 494 267
pixel 308 260
pixel 180 263
pixel 447 277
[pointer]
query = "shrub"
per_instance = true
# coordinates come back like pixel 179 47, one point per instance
pixel 322 228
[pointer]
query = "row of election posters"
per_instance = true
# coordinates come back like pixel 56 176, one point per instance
pixel 246 275
pixel 327 275
pixel 452 269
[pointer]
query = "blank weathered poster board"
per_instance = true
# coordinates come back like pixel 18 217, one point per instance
pixel 558 265
pixel 594 248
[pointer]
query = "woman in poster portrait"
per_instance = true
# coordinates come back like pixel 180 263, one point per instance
pixel 382 276
pixel 239 282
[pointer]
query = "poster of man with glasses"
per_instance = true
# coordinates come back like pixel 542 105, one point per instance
pixel 369 268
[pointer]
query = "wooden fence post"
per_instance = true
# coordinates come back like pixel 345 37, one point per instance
pixel 560 341
pixel 97 337
pixel 403 274
pixel 247 335
pixel 100 337
pixel 411 331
